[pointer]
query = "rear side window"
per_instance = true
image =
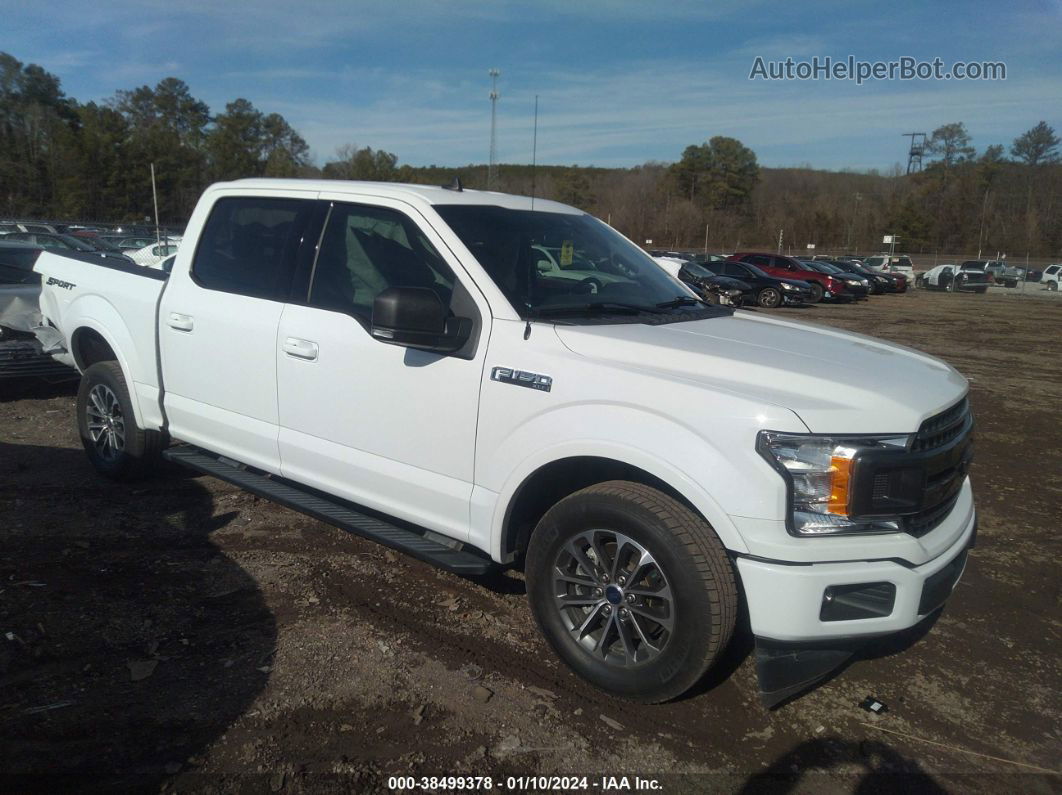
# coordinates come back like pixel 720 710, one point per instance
pixel 758 259
pixel 248 246
pixel 364 251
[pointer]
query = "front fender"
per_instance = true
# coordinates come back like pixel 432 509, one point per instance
pixel 623 433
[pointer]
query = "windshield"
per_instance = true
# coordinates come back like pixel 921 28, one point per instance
pixel 696 269
pixel 548 262
pixel 753 270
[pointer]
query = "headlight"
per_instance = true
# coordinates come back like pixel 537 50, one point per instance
pixel 786 286
pixel 818 473
pixel 852 282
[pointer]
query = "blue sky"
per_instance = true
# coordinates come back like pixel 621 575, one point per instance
pixel 619 82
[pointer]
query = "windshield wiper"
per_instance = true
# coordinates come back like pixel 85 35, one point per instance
pixel 603 307
pixel 681 300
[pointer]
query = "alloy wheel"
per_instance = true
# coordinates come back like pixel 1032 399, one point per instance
pixel 106 424
pixel 613 598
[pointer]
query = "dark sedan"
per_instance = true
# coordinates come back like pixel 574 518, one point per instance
pixel 879 282
pixel 734 292
pixel 770 291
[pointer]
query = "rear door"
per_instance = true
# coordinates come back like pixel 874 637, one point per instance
pixel 384 426
pixel 218 324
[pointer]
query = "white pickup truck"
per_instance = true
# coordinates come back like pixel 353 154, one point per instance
pixel 392 359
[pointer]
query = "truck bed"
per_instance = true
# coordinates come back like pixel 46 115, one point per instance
pixel 114 300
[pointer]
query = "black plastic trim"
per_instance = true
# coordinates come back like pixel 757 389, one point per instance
pixel 373 525
pixel 113 263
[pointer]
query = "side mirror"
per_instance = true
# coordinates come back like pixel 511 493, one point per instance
pixel 415 317
pixel 543 266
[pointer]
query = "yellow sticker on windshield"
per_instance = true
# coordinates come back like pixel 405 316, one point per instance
pixel 566 254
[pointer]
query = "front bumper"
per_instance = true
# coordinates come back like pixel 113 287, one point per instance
pixel 785 601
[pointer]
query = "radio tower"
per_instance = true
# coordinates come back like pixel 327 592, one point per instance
pixel 493 126
pixel 914 154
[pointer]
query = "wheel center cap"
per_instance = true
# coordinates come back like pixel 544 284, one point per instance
pixel 614 594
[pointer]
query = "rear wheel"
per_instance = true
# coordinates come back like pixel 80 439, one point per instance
pixel 769 298
pixel 116 446
pixel 633 590
pixel 816 292
pixel 1052 286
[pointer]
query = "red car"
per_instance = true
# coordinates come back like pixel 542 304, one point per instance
pixel 823 285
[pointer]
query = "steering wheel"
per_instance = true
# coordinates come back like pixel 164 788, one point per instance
pixel 591 285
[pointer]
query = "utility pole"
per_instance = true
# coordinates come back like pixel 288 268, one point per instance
pixel 780 231
pixel 493 126
pixel 155 196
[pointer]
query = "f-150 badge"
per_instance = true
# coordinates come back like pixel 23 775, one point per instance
pixel 508 375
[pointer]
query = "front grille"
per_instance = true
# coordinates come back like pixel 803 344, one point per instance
pixel 950 428
pixel 922 522
pixel 941 428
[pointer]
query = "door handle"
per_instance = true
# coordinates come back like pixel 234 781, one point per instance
pixel 301 349
pixel 176 320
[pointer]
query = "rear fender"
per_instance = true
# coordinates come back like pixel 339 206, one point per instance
pixel 96 313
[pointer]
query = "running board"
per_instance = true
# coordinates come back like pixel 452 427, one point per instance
pixel 334 512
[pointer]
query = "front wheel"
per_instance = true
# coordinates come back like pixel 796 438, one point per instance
pixel 1052 286
pixel 632 589
pixel 769 298
pixel 116 446
pixel 816 292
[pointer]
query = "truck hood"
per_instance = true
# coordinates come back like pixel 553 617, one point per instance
pixel 835 381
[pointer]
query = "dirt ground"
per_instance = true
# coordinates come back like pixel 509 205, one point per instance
pixel 181 635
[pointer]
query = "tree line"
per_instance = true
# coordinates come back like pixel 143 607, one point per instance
pixel 63 159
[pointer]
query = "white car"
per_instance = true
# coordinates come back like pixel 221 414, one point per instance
pixel 890 263
pixel 151 256
pixel 1052 276
pixel 390 359
pixel 952 278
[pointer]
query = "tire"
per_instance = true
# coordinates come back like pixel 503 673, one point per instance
pixel 816 292
pixel 1052 286
pixel 769 297
pixel 116 446
pixel 609 635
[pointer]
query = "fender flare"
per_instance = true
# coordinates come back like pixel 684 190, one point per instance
pixel 686 486
pixel 95 313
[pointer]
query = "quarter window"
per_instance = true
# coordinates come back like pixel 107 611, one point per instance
pixel 364 251
pixel 248 245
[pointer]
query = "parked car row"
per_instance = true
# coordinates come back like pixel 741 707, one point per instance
pixel 773 280
pixel 138 250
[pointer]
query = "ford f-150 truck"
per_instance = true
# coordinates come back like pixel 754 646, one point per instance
pixel 393 360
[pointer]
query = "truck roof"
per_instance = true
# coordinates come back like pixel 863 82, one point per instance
pixel 425 194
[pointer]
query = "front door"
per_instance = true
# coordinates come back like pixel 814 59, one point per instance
pixel 384 426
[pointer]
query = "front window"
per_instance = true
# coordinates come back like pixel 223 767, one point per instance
pixel 549 263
